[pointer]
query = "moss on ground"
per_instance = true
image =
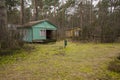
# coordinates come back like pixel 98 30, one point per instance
pixel 77 61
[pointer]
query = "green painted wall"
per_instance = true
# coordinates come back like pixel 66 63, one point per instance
pixel 36 34
pixel 41 26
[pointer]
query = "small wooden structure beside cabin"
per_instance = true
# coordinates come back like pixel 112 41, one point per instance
pixel 38 31
pixel 73 32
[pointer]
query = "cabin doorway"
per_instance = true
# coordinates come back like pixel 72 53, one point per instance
pixel 49 34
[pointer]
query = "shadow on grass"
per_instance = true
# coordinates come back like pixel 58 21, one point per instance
pixel 44 42
pixel 9 52
pixel 6 52
pixel 11 56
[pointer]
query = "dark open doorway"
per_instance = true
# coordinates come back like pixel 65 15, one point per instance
pixel 49 34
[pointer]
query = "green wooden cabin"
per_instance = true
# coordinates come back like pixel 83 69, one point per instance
pixel 38 31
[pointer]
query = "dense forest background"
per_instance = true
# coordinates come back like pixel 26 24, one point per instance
pixel 99 20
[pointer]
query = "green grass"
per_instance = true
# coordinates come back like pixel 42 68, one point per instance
pixel 88 61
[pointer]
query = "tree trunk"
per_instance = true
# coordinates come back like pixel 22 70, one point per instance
pixel 22 13
pixel 35 8
pixel 3 23
pixel 81 20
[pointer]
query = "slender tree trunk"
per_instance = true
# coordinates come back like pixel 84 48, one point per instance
pixel 89 34
pixel 81 20
pixel 91 12
pixel 22 13
pixel 35 8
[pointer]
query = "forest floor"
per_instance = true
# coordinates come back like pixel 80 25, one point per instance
pixel 78 61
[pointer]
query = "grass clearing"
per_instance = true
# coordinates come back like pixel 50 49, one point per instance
pixel 88 61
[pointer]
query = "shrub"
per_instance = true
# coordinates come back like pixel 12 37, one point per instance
pixel 115 65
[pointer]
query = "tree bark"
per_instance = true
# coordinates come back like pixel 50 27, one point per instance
pixel 3 22
pixel 35 8
pixel 22 12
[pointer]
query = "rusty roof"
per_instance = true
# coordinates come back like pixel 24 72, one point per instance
pixel 30 24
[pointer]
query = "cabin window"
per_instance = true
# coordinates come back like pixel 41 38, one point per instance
pixel 77 33
pixel 42 32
